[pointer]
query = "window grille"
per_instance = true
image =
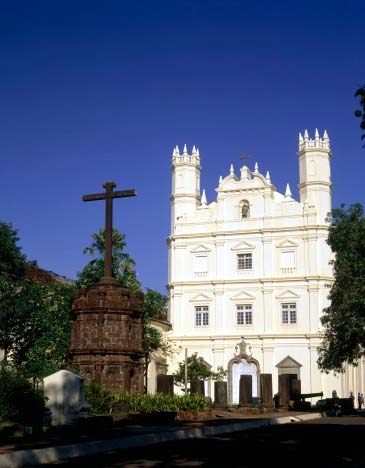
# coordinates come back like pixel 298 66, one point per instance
pixel 201 316
pixel 244 314
pixel 289 313
pixel 244 261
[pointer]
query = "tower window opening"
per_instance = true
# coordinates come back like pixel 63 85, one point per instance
pixel 245 209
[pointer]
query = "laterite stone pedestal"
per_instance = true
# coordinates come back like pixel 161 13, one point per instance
pixel 106 336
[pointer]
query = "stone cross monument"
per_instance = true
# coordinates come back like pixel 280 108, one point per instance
pixel 106 330
pixel 108 196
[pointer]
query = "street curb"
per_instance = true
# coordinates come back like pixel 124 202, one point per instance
pixel 66 452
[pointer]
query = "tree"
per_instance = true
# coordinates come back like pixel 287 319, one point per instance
pixel 15 299
pixel 49 338
pixel 123 265
pixel 34 318
pixel 197 370
pixel 154 307
pixel 12 261
pixel 13 290
pixel 361 112
pixel 344 319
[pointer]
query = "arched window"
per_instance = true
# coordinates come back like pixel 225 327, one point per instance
pixel 245 209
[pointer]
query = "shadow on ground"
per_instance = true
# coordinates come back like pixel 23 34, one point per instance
pixel 328 443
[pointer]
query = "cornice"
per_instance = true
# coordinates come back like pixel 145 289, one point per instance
pixel 314 182
pixel 184 195
pixel 258 281
pixel 262 336
pixel 245 232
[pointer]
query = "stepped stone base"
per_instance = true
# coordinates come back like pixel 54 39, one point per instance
pixel 106 336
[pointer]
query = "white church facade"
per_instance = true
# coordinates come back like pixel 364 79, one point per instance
pixel 249 272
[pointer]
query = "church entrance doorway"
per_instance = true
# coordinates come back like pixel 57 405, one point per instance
pixel 243 368
pixel 242 364
pixel 289 366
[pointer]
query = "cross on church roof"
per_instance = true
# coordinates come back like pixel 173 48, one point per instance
pixel 245 158
pixel 108 196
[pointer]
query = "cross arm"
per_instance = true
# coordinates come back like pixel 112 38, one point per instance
pixel 103 196
pixel 94 196
pixel 124 193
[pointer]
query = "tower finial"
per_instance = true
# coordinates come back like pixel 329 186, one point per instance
pixel 316 134
pixel 204 199
pixel 300 138
pixel 256 168
pixel 231 170
pixel 185 151
pixel 306 136
pixel 220 179
pixel 193 150
pixel 268 177
pixel 288 193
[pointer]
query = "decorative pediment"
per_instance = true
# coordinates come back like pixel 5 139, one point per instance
pixel 287 243
pixel 200 249
pixel 201 297
pixel 243 245
pixel 209 366
pixel 242 296
pixel 288 362
pixel 229 181
pixel 288 294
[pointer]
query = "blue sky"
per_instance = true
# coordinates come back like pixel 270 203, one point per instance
pixel 96 91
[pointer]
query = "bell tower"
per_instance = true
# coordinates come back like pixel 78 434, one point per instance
pixel 185 183
pixel 315 173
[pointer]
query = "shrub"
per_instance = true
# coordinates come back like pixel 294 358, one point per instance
pixel 101 400
pixel 99 397
pixel 161 402
pixel 19 402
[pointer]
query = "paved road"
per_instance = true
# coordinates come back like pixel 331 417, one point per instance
pixel 325 443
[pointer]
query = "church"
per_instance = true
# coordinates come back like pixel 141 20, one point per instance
pixel 249 273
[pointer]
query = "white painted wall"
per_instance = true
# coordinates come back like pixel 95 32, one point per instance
pixel 277 228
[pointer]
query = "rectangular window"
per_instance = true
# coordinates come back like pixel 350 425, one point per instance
pixel 201 316
pixel 289 313
pixel 244 261
pixel 244 314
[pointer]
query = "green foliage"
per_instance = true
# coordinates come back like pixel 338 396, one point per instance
pixel 123 264
pixel 220 375
pixel 154 305
pixel 360 113
pixel 14 319
pixel 50 332
pixel 19 402
pixel 161 402
pixel 101 400
pixel 34 318
pixel 152 339
pixel 197 370
pixel 99 397
pixel 344 319
pixel 35 326
pixel 12 261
